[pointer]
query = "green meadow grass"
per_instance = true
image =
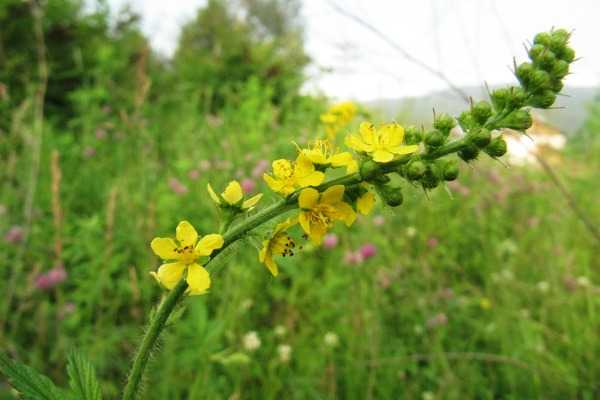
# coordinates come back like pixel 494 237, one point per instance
pixel 493 292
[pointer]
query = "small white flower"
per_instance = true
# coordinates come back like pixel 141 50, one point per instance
pixel 331 339
pixel 583 281
pixel 280 331
pixel 285 352
pixel 411 231
pixel 543 286
pixel 251 341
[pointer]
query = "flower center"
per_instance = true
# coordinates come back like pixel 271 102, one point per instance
pixel 283 244
pixel 186 254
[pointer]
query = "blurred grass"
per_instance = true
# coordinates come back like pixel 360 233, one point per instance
pixel 489 293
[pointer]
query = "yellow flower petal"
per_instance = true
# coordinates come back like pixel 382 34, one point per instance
pixel 266 257
pixel 208 244
pixel 170 274
pixel 198 280
pixel 165 248
pixel 367 132
pixel 303 166
pixel 333 194
pixel 317 232
pixel 354 142
pixel 382 156
pixel 304 221
pixel 233 193
pixel 282 168
pixel 313 179
pixel 365 203
pixel 186 234
pixel 274 184
pixel 251 202
pixel 341 159
pixel 308 198
pixel 212 194
pixel 392 134
pixel 346 213
pixel 405 149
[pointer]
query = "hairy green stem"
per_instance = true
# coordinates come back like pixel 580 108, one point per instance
pixel 156 326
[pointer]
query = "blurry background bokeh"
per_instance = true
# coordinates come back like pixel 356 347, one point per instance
pixel 114 115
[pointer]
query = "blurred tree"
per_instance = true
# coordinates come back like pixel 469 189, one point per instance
pixel 229 43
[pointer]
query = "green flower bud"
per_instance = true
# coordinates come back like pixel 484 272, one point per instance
pixel 536 51
pixel 560 69
pixel 480 137
pixel 391 195
pixel 496 148
pixel 469 152
pixel 467 121
pixel 546 60
pixel 543 100
pixel 450 170
pixel 381 179
pixel 413 135
pixel 524 73
pixel 481 111
pixel 510 98
pixel 539 80
pixel 568 55
pixel 430 179
pixel 556 85
pixel 562 35
pixel 368 170
pixel 415 170
pixel 519 120
pixel 434 138
pixel 444 123
pixel 542 38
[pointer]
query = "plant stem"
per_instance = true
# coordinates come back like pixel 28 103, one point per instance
pixel 156 326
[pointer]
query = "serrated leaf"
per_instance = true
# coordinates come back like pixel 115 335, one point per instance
pixel 82 378
pixel 28 382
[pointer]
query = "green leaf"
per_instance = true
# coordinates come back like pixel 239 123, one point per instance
pixel 82 378
pixel 28 382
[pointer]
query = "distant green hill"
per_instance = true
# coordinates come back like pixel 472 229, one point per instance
pixel 418 110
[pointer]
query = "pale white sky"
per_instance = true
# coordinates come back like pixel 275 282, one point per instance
pixel 471 41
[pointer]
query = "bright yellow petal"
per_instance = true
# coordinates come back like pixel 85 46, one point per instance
pixel 274 184
pixel 356 143
pixel 233 193
pixel 304 221
pixel 341 159
pixel 317 232
pixel 315 156
pixel 365 203
pixel 282 168
pixel 313 179
pixel 382 156
pixel 346 213
pixel 212 194
pixel 170 274
pixel 308 198
pixel 333 194
pixel 352 167
pixel 367 132
pixel 405 149
pixel 251 202
pixel 392 134
pixel 282 226
pixel 303 166
pixel 208 244
pixel 266 257
pixel 165 248
pixel 198 280
pixel 186 234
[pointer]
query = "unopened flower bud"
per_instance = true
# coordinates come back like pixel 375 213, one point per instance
pixel 543 100
pixel 568 55
pixel 467 121
pixel 536 51
pixel 413 135
pixel 519 120
pixel 539 79
pixel 542 38
pixel 391 195
pixel 444 123
pixel 524 73
pixel 430 179
pixel 546 60
pixel 480 137
pixel 450 170
pixel 560 69
pixel 434 138
pixel 496 148
pixel 556 85
pixel 368 170
pixel 469 152
pixel 481 111
pixel 415 170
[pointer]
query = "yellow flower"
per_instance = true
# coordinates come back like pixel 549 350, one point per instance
pixel 280 243
pixel 233 196
pixel 288 175
pixel 184 253
pixel 320 210
pixel 322 152
pixel 337 117
pixel 365 203
pixel 382 144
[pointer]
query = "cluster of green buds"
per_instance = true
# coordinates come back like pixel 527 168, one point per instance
pixel 509 108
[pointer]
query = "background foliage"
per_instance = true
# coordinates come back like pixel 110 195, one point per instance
pixel 491 292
